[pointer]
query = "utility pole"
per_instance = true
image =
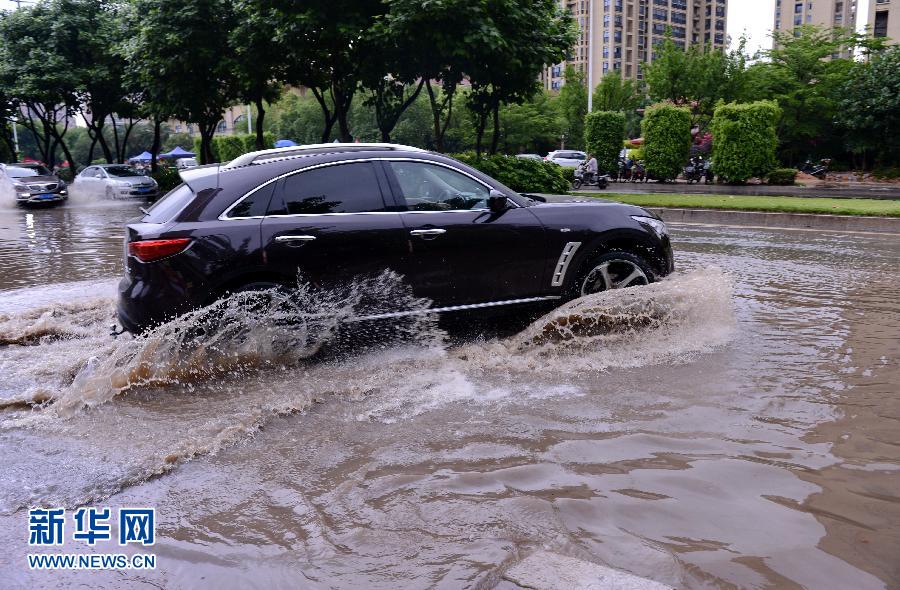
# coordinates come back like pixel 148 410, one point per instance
pixel 249 121
pixel 590 60
pixel 15 124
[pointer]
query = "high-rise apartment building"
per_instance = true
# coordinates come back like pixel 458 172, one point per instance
pixel 822 13
pixel 626 32
pixel 884 19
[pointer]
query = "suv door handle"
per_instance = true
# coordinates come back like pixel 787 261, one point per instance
pixel 295 238
pixel 427 234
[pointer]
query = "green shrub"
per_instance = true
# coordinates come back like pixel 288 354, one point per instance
pixel 167 178
pixel 745 140
pixel 783 176
pixel 667 140
pixel 526 176
pixel 568 174
pixel 228 147
pixel 636 154
pixel 888 173
pixel 603 133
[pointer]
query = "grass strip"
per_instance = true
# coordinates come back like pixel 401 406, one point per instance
pixel 820 205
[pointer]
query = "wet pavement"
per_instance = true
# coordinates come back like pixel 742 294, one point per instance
pixel 741 429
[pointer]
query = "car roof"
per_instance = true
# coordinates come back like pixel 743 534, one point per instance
pixel 316 148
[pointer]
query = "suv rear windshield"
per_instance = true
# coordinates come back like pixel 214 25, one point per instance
pixel 170 205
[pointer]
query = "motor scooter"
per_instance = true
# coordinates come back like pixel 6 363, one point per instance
pixel 585 178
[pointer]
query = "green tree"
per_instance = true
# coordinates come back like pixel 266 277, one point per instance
pixel 516 39
pixel 698 76
pixel 667 140
pixel 745 140
pixel 572 105
pixel 189 76
pixel 806 81
pixel 615 94
pixel 532 126
pixel 37 72
pixel 261 67
pixel 603 135
pixel 869 108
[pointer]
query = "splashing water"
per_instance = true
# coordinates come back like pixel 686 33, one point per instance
pixel 242 333
pixel 216 376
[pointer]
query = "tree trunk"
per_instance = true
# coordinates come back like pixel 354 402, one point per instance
pixel 329 116
pixel 207 132
pixel 260 116
pixel 127 136
pixel 440 128
pixel 495 140
pixel 479 132
pixel 157 141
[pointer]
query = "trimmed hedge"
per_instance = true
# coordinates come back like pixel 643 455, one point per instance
pixel 745 140
pixel 783 176
pixel 228 147
pixel 667 140
pixel 524 176
pixel 603 133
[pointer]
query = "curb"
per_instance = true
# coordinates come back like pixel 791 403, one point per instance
pixel 823 222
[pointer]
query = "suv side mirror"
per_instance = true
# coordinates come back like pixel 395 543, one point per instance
pixel 497 202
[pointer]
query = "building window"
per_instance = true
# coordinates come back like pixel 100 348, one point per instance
pixel 881 23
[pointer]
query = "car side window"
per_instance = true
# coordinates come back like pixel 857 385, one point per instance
pixel 254 205
pixel 343 188
pixel 429 187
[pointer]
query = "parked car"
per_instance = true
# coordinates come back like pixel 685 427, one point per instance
pixel 117 181
pixel 182 163
pixel 529 157
pixel 566 158
pixel 329 213
pixel 34 184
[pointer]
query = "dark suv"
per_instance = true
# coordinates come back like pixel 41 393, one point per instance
pixel 333 212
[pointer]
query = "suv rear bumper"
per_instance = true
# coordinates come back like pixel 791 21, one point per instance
pixel 144 304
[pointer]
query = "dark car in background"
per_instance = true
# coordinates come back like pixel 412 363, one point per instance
pixel 330 213
pixel 34 184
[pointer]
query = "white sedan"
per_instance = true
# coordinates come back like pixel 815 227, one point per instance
pixel 567 158
pixel 116 181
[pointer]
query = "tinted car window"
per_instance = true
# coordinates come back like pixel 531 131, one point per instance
pixel 255 205
pixel 170 205
pixel 428 187
pixel 344 188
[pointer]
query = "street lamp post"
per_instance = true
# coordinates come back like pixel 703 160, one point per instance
pixel 590 60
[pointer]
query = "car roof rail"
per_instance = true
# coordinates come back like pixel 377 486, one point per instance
pixel 316 148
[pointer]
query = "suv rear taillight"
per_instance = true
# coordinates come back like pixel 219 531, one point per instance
pixel 150 250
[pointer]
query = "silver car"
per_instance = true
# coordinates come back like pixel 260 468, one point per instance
pixel 33 184
pixel 567 158
pixel 116 181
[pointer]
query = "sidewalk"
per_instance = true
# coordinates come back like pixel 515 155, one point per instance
pixel 817 189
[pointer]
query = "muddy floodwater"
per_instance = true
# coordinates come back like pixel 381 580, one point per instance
pixel 734 426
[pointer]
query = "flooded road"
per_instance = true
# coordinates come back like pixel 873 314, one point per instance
pixel 741 430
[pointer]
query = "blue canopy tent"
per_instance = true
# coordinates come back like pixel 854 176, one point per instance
pixel 285 143
pixel 142 157
pixel 178 152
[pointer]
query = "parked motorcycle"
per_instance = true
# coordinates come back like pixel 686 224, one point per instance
pixel 819 170
pixel 638 172
pixel 623 173
pixel 696 170
pixel 585 178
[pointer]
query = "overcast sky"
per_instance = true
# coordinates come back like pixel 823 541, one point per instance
pixel 755 17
